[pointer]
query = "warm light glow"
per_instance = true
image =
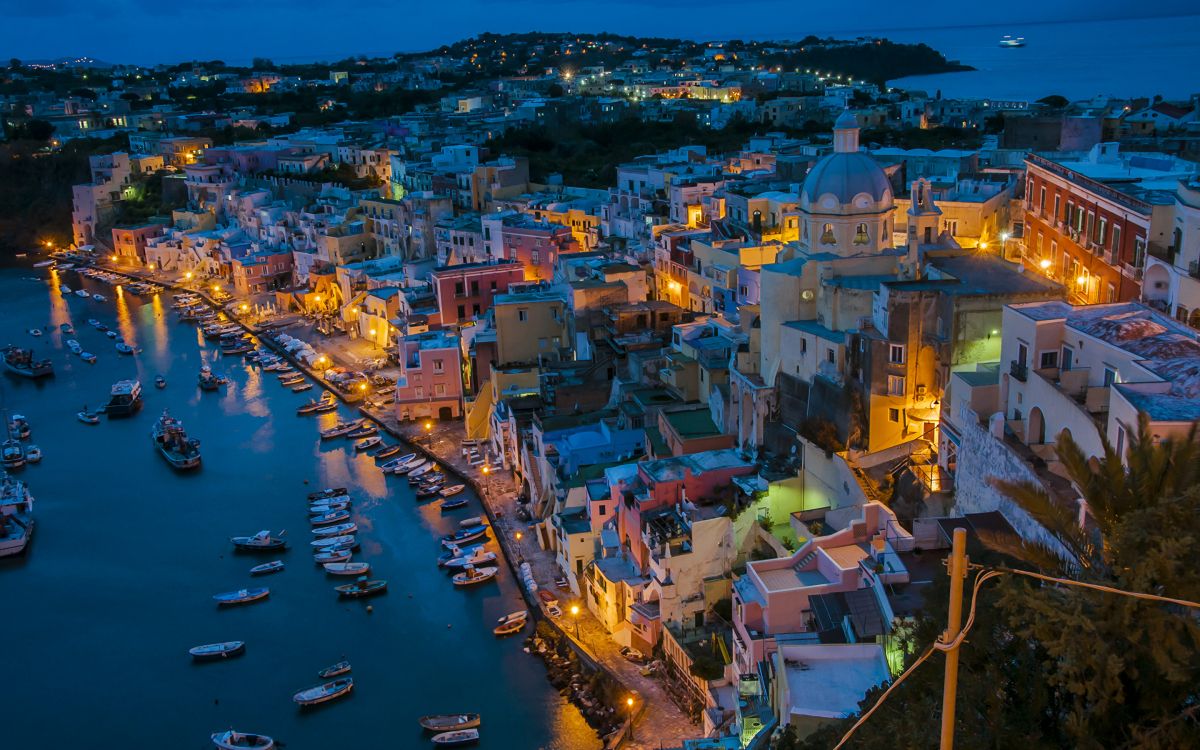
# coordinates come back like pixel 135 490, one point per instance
pixel 574 610
pixel 318 298
pixel 629 702
pixel 114 259
pixel 372 332
pixel 518 536
pixel 428 426
pixel 245 307
pixel 983 246
pixel 188 274
pixel 151 266
pixel 216 288
pixel 1045 263
pixel 1004 236
pixel 362 386
pixel 1081 280
pixel 487 470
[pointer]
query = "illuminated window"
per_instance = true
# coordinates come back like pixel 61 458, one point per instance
pixel 895 385
pixel 860 234
pixel 827 235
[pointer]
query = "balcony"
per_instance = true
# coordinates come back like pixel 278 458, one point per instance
pixel 1018 370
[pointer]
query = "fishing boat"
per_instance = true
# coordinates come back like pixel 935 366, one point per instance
pixel 334 541
pixel 213 651
pixel 332 556
pixel 328 493
pixel 125 399
pixel 288 382
pixel 262 541
pixel 124 348
pixel 367 444
pixel 231 740
pixel 454 504
pixel 94 323
pixel 160 381
pixel 309 408
pixel 99 297
pixel 397 463
pixel 453 490
pixel 33 454
pixel 268 567
pixel 449 722
pixel 457 737
pixel 389 451
pixel 473 576
pixel 422 469
pixel 20 361
pixel 333 670
pixel 111 334
pixel 478 556
pixel 327 406
pixel 464 536
pixel 207 380
pixel 347 568
pixel 340 429
pixel 88 357
pixel 520 614
pixel 329 517
pixel 241 596
pixel 340 529
pixel 366 430
pixel 173 443
pixel 87 417
pixel 361 588
pixel 74 346
pixel 322 693
pixel 453 551
pixel 472 521
pixel 19 427
pixel 302 387
pixel 16 516
pixel 64 288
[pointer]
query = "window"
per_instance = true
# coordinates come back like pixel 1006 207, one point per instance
pixel 601 510
pixel 893 415
pixel 1110 376
pixel 1116 243
pixel 1139 251
pixel 830 356
pixel 951 226
pixel 895 385
pixel 803 346
pixel 1101 231
pixel 522 315
pixel 896 354
pixel 474 287
pixel 437 366
pixel 475 309
pixel 493 286
pixel 827 235
pixel 459 289
pixel 420 392
pixel 1068 357
pixel 1049 359
pixel 1042 200
pixel 439 389
pixel 1022 355
pixel 1111 294
pixel 860 234
pixel 1057 201
pixel 1120 440
pixel 462 312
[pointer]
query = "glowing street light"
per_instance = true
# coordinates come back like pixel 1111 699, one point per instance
pixel 629 705
pixel 429 435
pixel 575 617
pixel 114 258
pixel 1045 264
pixel 188 275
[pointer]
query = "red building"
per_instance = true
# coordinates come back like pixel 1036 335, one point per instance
pixel 1091 218
pixel 536 245
pixel 129 243
pixel 466 291
pixel 262 271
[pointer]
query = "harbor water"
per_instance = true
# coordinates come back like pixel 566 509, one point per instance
pixel 118 582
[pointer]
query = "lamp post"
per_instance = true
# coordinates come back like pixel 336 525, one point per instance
pixel 575 617
pixel 429 435
pixel 629 706
pixel 487 483
pixel 322 363
pixel 520 553
pixel 374 343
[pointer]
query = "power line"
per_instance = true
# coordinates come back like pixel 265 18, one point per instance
pixel 928 653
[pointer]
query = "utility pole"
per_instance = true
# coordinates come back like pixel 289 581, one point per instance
pixel 958 572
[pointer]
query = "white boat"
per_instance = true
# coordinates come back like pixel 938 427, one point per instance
pixel 320 509
pixel 329 517
pixel 479 556
pixel 12 454
pixel 520 614
pixel 332 556
pixel 327 692
pixel 87 417
pixel 268 567
pixel 64 288
pixel 35 332
pixel 33 454
pixel 367 443
pixel 242 596
pixel 217 650
pixel 16 516
pixel 347 568
pixel 452 490
pixel 334 541
pixel 82 293
pixel 88 357
pixel 457 737
pixel 231 740
pixel 472 576
pixel 423 469
pixel 99 298
pixel 335 530
pixel 472 521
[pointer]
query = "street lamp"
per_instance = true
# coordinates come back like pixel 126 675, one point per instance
pixel 575 617
pixel 487 483
pixel 520 552
pixel 374 343
pixel 429 435
pixel 629 705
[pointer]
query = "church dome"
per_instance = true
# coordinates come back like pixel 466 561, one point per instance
pixel 846 181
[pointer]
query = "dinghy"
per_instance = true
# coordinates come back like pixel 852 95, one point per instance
pixel 334 541
pixel 454 504
pixel 389 451
pixel 335 530
pixel 509 628
pixel 269 567
pixel 448 722
pixel 319 509
pixel 333 670
pixel 328 492
pixel 348 568
pixel 458 737
pixel 214 651
pixel 329 517
pixel 322 693
pixel 361 588
pixel 241 596
pixel 259 542
pixel 464 536
pixel 453 490
pixel 368 444
pixel 332 556
pixel 87 417
pixel 472 576
pixel 231 740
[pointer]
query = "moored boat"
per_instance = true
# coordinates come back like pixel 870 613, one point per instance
pixel 333 670
pixel 302 387
pixel 241 596
pixel 21 362
pixel 207 380
pixel 464 536
pixel 88 357
pixel 160 381
pixel 389 451
pixel 367 444
pixel 33 454
pixel 260 542
pixel 86 416
pixel 340 429
pixel 449 722
pixel 361 588
pixel 213 651
pixel 347 568
pixel 477 557
pixel 454 503
pixel 332 556
pixel 180 451
pixel 457 737
pixel 124 348
pixel 16 516
pixel 322 507
pixel 12 454
pixel 472 575
pixel 335 530
pixel 328 493
pixel 453 490
pixel 19 427
pixel 326 692
pixel 334 541
pixel 366 430
pixel 329 517
pixel 232 740
pixel 268 567
pixel 125 399
pixel 509 628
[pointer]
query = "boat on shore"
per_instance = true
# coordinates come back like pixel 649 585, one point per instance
pixel 326 692
pixel 213 651
pixel 260 542
pixel 361 588
pixel 125 399
pixel 232 740
pixel 268 567
pixel 180 451
pixel 449 722
pixel 241 596
pixel 457 737
pixel 333 670
pixel 16 516
pixel 20 362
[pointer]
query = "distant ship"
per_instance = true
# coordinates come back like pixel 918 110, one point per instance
pixel 1012 41
pixel 173 443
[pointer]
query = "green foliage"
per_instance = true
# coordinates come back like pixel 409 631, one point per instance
pixel 28 130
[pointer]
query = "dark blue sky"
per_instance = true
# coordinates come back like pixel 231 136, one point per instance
pixel 154 31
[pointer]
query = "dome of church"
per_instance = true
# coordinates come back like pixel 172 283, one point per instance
pixel 846 181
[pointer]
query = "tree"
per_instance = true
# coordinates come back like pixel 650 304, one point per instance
pixel 14 64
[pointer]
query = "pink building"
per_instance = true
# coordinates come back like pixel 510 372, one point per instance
pixel 262 271
pixel 432 382
pixel 466 291
pixel 775 597
pixel 129 243
pixel 534 244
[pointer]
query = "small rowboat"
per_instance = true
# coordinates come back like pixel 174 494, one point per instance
pixel 453 490
pixel 348 568
pixel 454 504
pixel 520 614
pixel 271 567
pixel 509 628
pixel 261 541
pixel 332 556
pixel 231 740
pixel 301 387
pixel 389 451
pixel 333 670
pixel 87 417
pixel 368 444
pixel 328 517
pixel 160 381
pixel 464 536
pixel 360 589
pixel 318 509
pixel 327 692
pixel 457 737
pixel 327 493
pixel 366 430
pixel 242 596
pixel 335 530
pixel 334 541
pixel 397 463
pixel 421 470
pixel 213 651
pixel 472 521
pixel 449 722
pixel 472 576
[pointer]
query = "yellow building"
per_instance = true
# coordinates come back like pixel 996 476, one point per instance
pixel 531 325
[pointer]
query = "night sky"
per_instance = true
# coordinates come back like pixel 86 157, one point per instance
pixel 156 31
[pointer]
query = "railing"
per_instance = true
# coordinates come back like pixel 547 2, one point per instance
pixel 1018 370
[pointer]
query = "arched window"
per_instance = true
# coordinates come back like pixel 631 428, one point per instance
pixel 827 235
pixel 860 234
